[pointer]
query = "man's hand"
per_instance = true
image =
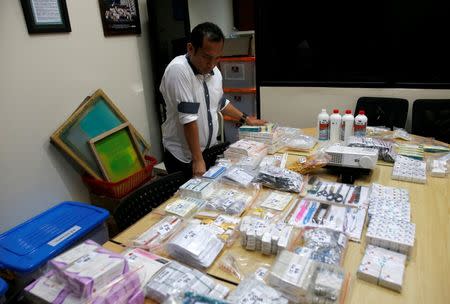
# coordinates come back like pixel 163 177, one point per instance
pixel 198 167
pixel 253 121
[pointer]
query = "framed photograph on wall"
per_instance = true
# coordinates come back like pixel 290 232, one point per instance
pixel 117 153
pixel 46 16
pixel 120 17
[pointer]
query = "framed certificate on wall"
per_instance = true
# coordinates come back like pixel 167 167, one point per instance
pixel 46 16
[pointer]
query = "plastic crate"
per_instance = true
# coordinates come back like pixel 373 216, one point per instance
pixel 238 72
pixel 27 247
pixel 3 289
pixel 243 99
pixel 121 188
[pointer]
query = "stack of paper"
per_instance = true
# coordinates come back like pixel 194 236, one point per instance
pixel 255 291
pixel 229 201
pixel 267 134
pixel 245 147
pixel 195 246
pixel 175 278
pixel 198 188
pixel 158 233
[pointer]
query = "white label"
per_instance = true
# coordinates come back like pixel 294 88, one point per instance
pixel 277 201
pixel 254 296
pixel 260 273
pixel 75 253
pixel 294 272
pixel 235 71
pixel 164 275
pixel 63 236
pixel 181 207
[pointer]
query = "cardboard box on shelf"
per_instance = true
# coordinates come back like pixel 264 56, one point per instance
pixel 237 46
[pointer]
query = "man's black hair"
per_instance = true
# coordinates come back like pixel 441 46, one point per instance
pixel 207 29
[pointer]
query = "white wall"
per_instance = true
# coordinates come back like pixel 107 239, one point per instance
pixel 299 106
pixel 219 12
pixel 43 78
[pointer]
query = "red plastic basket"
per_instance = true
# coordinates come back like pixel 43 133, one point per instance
pixel 121 188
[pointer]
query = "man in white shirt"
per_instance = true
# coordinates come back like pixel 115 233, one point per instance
pixel 192 90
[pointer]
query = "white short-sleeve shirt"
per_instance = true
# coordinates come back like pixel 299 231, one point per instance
pixel 190 96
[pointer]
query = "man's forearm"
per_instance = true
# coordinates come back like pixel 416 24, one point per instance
pixel 192 139
pixel 232 111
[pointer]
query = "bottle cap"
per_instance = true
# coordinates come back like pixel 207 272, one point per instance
pixel 348 111
pixel 361 112
pixel 324 110
pixel 335 111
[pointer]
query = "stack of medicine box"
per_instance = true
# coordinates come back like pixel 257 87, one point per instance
pixel 267 134
pixel 239 86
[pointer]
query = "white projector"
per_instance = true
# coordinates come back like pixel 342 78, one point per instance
pixel 353 157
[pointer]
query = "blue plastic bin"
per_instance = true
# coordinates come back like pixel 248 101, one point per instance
pixel 3 289
pixel 28 246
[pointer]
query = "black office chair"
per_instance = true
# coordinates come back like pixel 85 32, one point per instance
pixel 141 202
pixel 210 155
pixel 384 111
pixel 431 118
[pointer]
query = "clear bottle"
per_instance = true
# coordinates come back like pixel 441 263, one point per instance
pixel 360 124
pixel 323 126
pixel 335 125
pixel 347 125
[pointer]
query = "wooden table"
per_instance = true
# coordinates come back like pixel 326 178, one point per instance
pixel 427 276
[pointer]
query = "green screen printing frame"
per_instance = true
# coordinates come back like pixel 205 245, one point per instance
pixel 96 115
pixel 117 153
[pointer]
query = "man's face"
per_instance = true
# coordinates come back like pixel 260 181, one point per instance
pixel 205 58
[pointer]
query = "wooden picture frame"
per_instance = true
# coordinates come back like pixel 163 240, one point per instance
pixel 46 16
pixel 73 136
pixel 117 153
pixel 120 17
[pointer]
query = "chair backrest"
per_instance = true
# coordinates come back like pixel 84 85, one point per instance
pixel 210 155
pixel 143 200
pixel 431 118
pixel 384 111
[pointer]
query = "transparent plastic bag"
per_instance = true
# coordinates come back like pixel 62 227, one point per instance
pixel 176 278
pixel 305 165
pixel 126 289
pixel 239 177
pixel 154 238
pixel 195 246
pixel 225 227
pixel 267 236
pixel 278 160
pixel 299 142
pixel 326 245
pixel 190 297
pixel 199 188
pixel 280 179
pixel 255 291
pixel 386 148
pixel 185 206
pixel 303 280
pixel 242 267
pixel 218 169
pixel 229 199
pixel 401 134
pixel 377 131
pixel 438 167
